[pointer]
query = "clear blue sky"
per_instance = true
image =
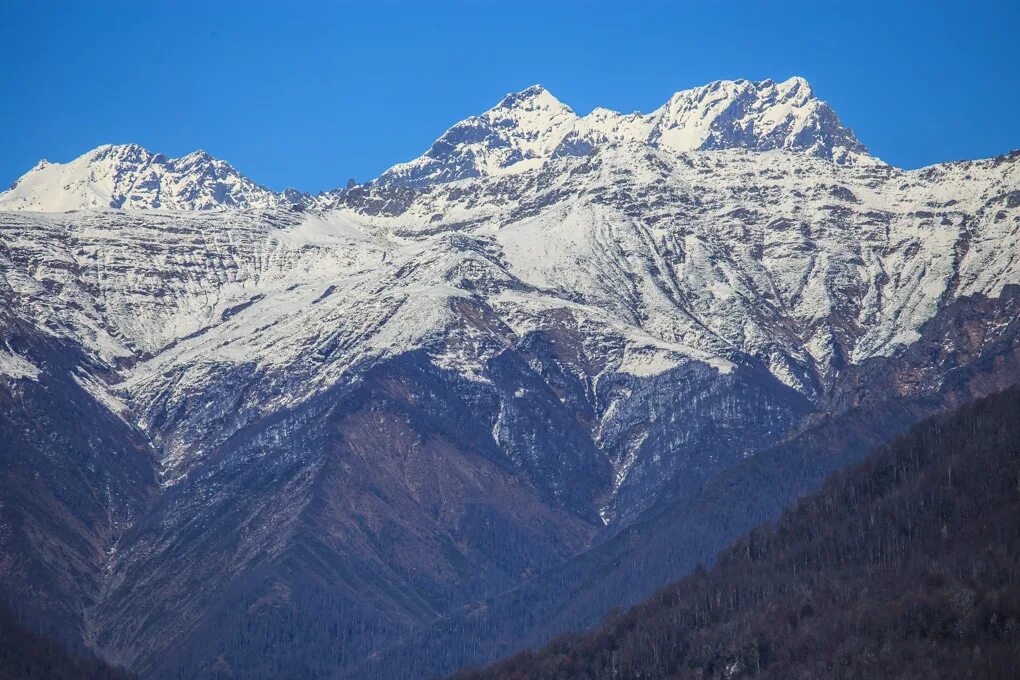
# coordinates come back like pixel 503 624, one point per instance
pixel 310 94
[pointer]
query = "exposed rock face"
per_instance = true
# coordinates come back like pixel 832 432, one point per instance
pixel 343 423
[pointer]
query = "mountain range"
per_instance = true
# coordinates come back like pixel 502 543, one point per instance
pixel 424 421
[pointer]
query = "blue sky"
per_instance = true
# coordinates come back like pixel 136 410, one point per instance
pixel 309 94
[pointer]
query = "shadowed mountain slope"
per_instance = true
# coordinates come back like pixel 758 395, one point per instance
pixel 974 349
pixel 903 566
pixel 25 655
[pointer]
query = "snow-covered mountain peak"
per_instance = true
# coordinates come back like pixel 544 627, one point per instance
pixel 521 131
pixel 798 83
pixel 758 116
pixel 198 156
pixel 130 177
pixel 531 98
pixel 534 119
pixel 529 127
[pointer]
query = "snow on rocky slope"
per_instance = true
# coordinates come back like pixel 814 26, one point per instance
pixel 717 257
pixel 617 306
pixel 783 247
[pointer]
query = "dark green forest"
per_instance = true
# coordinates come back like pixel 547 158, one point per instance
pixel 904 566
pixel 25 655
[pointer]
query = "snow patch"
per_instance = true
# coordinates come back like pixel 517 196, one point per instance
pixel 17 367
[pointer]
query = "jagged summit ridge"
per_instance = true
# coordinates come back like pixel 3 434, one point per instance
pixel 528 127
pixel 523 131
pixel 128 176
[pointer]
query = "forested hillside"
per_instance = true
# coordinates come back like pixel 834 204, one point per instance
pixel 906 566
pixel 25 655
